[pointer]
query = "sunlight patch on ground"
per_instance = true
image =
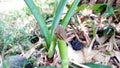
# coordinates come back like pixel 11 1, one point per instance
pixel 11 5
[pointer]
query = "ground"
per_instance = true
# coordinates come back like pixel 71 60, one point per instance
pixel 89 38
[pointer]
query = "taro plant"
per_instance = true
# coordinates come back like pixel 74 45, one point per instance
pixel 49 34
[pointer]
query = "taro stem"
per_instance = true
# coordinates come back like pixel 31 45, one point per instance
pixel 63 52
pixel 40 20
pixel 61 35
pixel 51 50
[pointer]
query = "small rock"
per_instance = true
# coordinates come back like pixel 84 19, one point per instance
pixel 76 45
pixel 17 62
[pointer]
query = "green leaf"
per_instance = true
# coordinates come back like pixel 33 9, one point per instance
pixel 98 7
pixel 2 28
pixel 2 24
pixel 110 30
pixel 70 12
pixel 34 9
pixel 93 65
pixel 109 12
pixel 47 67
pixel 57 15
pixel 82 7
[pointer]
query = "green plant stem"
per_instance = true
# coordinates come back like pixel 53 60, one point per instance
pixel 63 53
pixel 40 20
pixel 51 50
pixel 70 13
pixel 58 14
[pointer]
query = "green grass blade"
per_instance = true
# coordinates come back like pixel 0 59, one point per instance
pixel 70 13
pixel 94 28
pixel 58 14
pixel 39 19
pixel 93 65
